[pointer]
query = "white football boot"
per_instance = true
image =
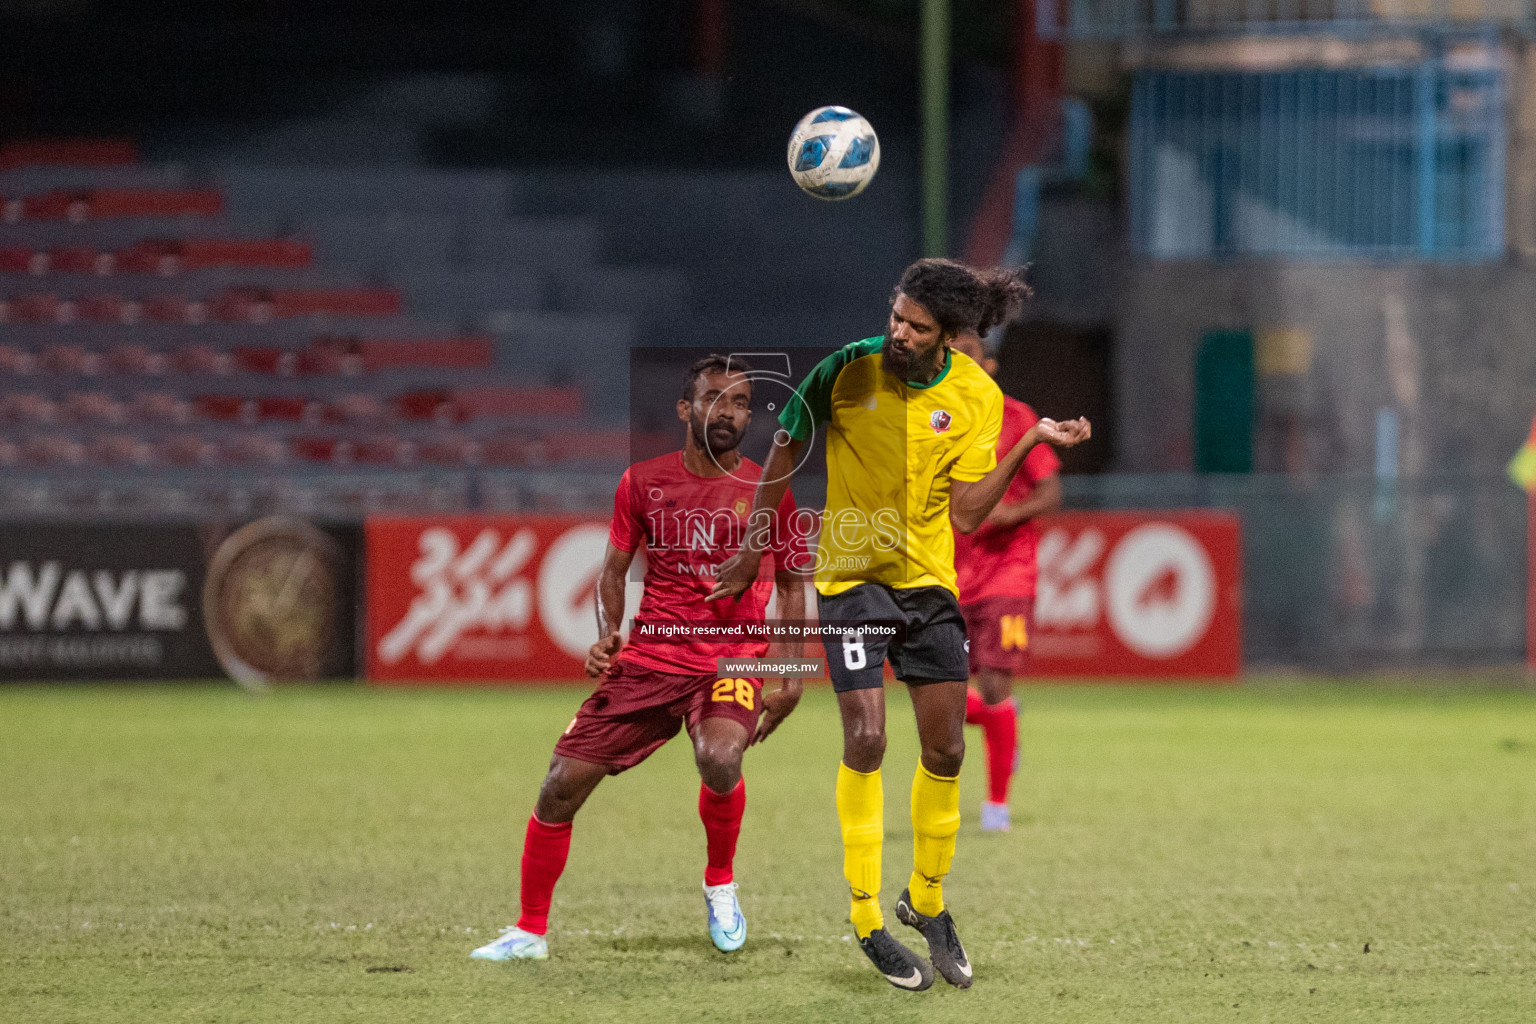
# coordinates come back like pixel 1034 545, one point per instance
pixel 995 817
pixel 514 944
pixel 727 927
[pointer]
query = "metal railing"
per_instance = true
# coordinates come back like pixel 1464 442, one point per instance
pixel 1126 19
pixel 1383 162
pixel 1352 573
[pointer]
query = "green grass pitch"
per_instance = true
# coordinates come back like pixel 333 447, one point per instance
pixel 178 854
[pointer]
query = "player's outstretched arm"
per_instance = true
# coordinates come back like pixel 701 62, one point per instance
pixel 971 501
pixel 610 610
pixel 790 607
pixel 736 573
pixel 1043 500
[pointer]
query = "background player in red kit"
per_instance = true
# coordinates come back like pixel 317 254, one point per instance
pixel 997 569
pixel 690 509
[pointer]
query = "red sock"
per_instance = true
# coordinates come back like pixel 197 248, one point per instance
pixel 975 710
pixel 721 814
pixel 1002 731
pixel 545 848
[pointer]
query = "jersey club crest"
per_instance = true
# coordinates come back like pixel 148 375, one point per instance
pixel 939 421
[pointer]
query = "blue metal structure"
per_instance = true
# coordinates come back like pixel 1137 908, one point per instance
pixel 1393 162
pixel 1360 157
pixel 1069 164
pixel 1126 19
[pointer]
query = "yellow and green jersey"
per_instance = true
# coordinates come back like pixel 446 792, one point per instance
pixel 893 446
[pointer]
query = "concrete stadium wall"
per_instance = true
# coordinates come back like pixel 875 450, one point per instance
pixel 1451 348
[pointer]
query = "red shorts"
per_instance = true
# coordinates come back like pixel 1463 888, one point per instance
pixel 999 629
pixel 634 711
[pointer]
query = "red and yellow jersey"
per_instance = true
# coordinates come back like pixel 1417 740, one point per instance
pixel 893 446
pixel 689 524
pixel 1000 561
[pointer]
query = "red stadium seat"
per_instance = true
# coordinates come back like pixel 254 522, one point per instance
pixel 92 407
pixel 120 450
pixel 135 359
pixel 36 308
pixel 356 408
pixel 249 305
pixel 152 407
pixel 200 359
pixel 24 407
pixel 47 206
pixel 224 409
pixel 70 359
pixel 19 259
pixel 235 305
pixel 109 309
pixel 326 360
pixel 147 202
pixel 250 359
pixel 168 258
pixel 456 353
pixel 174 309
pixel 74 259
pixel 447 407
pixel 163 260
pixel 52 450
pixel 286 409
pixel 68 153
pixel 188 450
pixel 100 204
pixel 16 360
pixel 254 449
pixel 271 253
pixel 323 449
pixel 437 406
pixel 288 302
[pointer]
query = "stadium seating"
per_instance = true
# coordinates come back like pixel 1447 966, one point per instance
pixel 78 206
pixel 68 153
pixel 161 257
pixel 155 319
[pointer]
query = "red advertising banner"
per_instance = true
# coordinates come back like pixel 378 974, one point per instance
pixel 480 598
pixel 1139 594
pixel 489 599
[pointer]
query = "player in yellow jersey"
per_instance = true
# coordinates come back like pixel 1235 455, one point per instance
pixel 912 428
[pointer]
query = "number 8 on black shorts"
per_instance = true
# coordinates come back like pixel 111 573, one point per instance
pixel 929 644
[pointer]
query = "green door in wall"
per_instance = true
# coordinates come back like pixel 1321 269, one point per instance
pixel 1224 402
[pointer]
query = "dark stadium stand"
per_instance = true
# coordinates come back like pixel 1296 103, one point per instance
pixel 118 377
pixel 376 333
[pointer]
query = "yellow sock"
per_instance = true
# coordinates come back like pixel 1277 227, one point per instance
pixel 935 822
pixel 861 812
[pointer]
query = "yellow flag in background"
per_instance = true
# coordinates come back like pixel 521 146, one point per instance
pixel 1522 468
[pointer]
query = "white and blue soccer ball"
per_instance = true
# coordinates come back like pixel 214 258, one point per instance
pixel 833 153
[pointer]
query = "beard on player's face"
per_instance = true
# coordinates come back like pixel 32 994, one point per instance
pixel 716 436
pixel 909 363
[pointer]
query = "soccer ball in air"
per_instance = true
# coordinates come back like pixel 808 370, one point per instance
pixel 833 153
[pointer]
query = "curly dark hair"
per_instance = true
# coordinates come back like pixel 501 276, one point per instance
pixel 712 364
pixel 964 298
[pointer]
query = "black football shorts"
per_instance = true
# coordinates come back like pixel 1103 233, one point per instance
pixel 929 644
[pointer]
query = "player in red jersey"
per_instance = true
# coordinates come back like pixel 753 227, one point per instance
pixel 997 570
pixel 689 509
